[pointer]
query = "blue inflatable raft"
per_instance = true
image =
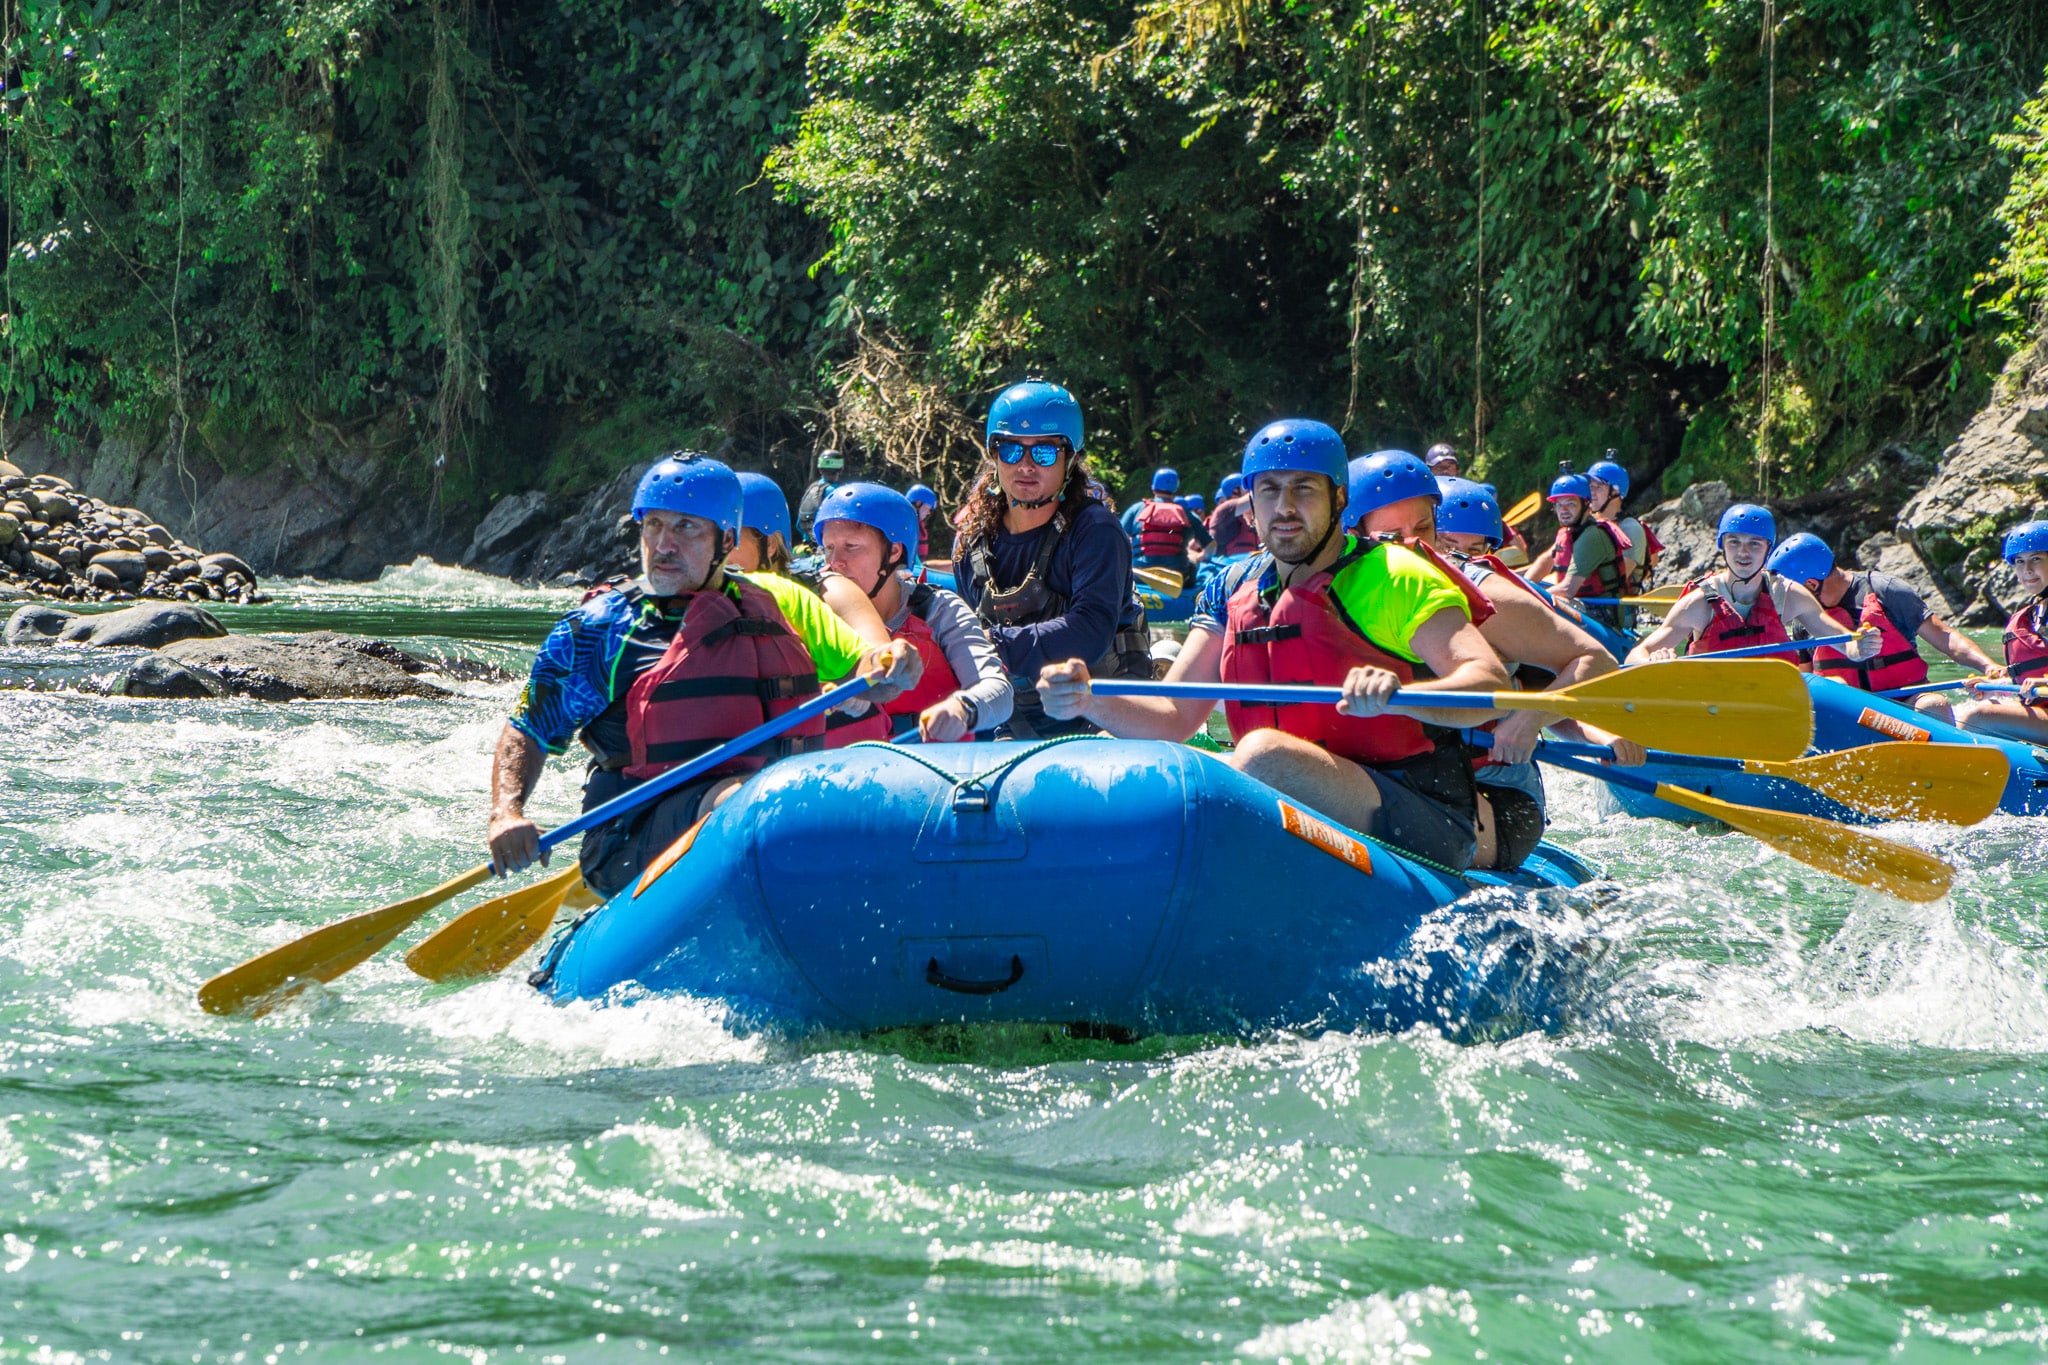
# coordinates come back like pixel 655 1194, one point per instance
pixel 1844 717
pixel 1135 884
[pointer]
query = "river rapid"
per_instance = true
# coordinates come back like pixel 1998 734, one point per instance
pixel 1782 1117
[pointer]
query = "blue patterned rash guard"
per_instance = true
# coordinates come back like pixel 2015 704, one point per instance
pixel 571 682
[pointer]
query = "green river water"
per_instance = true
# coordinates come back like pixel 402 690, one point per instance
pixel 1789 1118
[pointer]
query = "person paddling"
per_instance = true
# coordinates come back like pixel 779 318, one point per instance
pixel 1589 557
pixel 1323 607
pixel 1879 602
pixel 2026 647
pixel 653 673
pixel 1745 603
pixel 868 533
pixel 1442 459
pixel 1606 491
pixel 1231 527
pixel 1042 562
pixel 1393 494
pixel 1160 527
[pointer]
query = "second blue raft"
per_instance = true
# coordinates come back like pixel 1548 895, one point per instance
pixel 1844 717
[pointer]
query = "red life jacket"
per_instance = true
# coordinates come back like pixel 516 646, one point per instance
pixel 2026 652
pixel 937 683
pixel 1305 636
pixel 1898 663
pixel 924 537
pixel 1163 529
pixel 1615 578
pixel 731 666
pixel 1727 630
pixel 1235 533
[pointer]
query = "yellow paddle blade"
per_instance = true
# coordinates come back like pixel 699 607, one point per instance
pixel 1670 592
pixel 1958 783
pixel 1523 510
pixel 1849 853
pixel 485 939
pixel 1739 708
pixel 323 954
pixel 1167 581
pixel 1513 556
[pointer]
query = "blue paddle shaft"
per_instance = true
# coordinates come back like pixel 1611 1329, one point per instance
pixel 1548 752
pixel 1283 694
pixel 1953 685
pixel 1599 751
pixel 1758 651
pixel 675 777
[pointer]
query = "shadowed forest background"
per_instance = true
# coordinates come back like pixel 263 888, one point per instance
pixel 521 245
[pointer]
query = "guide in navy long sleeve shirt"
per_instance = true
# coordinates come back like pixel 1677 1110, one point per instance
pixel 1090 570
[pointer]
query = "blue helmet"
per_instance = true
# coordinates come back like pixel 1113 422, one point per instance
pixel 1746 519
pixel 1194 502
pixel 1802 557
pixel 1384 478
pixel 762 506
pixel 694 485
pixel 1232 485
pixel 1165 481
pixel 1469 509
pixel 871 504
pixel 1296 444
pixel 1570 486
pixel 1609 473
pixel 2026 538
pixel 1035 408
pixel 920 496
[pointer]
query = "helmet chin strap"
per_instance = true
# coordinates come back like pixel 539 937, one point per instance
pixel 1317 549
pixel 1046 501
pixel 1744 579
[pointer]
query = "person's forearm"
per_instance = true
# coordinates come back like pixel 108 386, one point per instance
pixel 1148 717
pixel 1473 675
pixel 855 608
pixel 1955 644
pixel 515 769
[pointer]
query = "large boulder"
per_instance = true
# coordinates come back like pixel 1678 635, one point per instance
pixel 37 625
pixel 508 533
pixel 127 565
pixel 313 667
pixel 1903 560
pixel 150 626
pixel 1685 526
pixel 153 675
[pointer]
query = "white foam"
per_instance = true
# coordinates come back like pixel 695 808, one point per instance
pixel 1377 1329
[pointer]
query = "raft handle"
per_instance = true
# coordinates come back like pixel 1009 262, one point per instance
pixel 970 797
pixel 935 975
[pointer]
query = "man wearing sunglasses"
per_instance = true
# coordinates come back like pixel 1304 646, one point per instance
pixel 1041 561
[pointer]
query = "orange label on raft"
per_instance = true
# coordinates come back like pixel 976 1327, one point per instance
pixel 669 858
pixel 1893 726
pixel 1326 837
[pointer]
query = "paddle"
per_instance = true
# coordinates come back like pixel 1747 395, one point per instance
pixel 1523 510
pixel 1957 783
pixel 486 939
pixel 1841 850
pixel 1655 597
pixel 2026 689
pixel 1167 581
pixel 1953 685
pixel 329 951
pixel 1733 710
pixel 1763 651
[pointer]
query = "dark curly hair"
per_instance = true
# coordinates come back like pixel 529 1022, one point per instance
pixel 986 502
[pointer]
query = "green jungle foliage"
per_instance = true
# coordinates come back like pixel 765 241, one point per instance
pixel 1544 226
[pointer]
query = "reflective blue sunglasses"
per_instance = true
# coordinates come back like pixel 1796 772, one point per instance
pixel 1045 453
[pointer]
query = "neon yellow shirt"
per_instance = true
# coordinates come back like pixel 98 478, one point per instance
pixel 1390 594
pixel 834 647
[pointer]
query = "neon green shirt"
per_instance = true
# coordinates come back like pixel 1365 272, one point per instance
pixel 1390 594
pixel 834 647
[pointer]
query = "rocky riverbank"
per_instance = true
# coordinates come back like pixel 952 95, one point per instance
pixel 58 542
